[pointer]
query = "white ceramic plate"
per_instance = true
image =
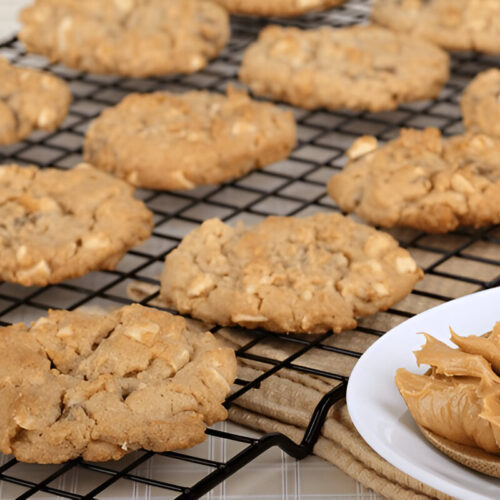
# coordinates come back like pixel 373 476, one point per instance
pixel 380 413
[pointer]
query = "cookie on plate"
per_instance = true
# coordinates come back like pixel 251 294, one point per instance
pixel 136 38
pixel 277 7
pixel 304 275
pixel 30 100
pixel 179 141
pixel 422 180
pixel 480 103
pixel 360 67
pixel 452 24
pixel 60 224
pixel 98 386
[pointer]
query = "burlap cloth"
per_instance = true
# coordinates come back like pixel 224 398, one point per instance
pixel 284 403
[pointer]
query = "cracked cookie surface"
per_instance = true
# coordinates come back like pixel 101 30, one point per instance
pixel 452 24
pixel 30 100
pixel 361 67
pixel 304 275
pixel 422 180
pixel 480 103
pixel 277 7
pixel 57 224
pixel 98 386
pixel 136 38
pixel 180 141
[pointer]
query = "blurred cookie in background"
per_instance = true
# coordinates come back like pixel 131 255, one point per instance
pixel 135 38
pixel 277 7
pixel 30 100
pixel 480 103
pixel 452 24
pixel 360 68
pixel 179 141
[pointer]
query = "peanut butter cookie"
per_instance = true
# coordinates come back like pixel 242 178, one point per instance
pixel 360 67
pixel 29 100
pixel 277 7
pixel 422 181
pixel 452 24
pixel 481 103
pixel 58 224
pixel 169 141
pixel 287 274
pixel 135 38
pixel 98 386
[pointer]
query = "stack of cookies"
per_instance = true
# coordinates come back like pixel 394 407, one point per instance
pixel 289 275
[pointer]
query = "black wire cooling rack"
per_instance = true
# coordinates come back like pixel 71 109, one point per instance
pixel 455 264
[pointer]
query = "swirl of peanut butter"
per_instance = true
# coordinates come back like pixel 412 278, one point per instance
pixel 459 397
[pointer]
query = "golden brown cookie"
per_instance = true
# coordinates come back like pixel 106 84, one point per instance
pixel 59 224
pixel 277 7
pixel 172 141
pixel 287 274
pixel 98 386
pixel 422 180
pixel 361 67
pixel 136 38
pixel 30 100
pixel 480 103
pixel 452 24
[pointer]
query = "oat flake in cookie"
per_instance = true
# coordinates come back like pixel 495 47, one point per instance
pixel 452 24
pixel 361 67
pixel 58 224
pixel 422 180
pixel 98 386
pixel 277 7
pixel 304 275
pixel 480 103
pixel 29 100
pixel 136 38
pixel 180 141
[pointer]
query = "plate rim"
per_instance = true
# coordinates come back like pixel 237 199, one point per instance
pixel 445 486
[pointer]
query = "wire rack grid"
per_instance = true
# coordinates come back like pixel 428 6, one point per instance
pixel 455 264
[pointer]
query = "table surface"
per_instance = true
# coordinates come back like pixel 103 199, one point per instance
pixel 274 475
